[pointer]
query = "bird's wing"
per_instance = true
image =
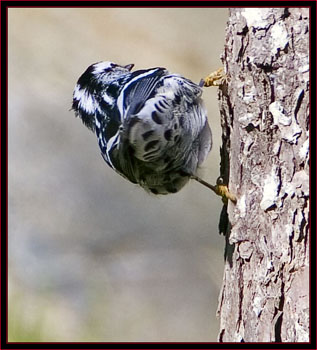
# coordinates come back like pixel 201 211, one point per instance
pixel 161 112
pixel 137 91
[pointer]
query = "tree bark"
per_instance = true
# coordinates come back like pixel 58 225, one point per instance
pixel 264 107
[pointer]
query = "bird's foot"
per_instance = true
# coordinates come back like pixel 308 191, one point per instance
pixel 220 189
pixel 223 191
pixel 216 78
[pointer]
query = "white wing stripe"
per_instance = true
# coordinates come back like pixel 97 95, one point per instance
pixel 120 98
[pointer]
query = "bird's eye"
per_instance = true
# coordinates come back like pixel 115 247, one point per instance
pixel 110 68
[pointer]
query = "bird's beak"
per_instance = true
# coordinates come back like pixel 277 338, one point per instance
pixel 129 66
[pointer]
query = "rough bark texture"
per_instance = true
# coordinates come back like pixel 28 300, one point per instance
pixel 265 119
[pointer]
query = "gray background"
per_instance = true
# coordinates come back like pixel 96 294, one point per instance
pixel 93 257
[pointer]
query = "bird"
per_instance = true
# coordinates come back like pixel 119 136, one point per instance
pixel 151 124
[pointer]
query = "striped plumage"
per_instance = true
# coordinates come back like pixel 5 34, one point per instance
pixel 151 125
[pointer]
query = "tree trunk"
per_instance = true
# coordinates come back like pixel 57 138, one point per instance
pixel 264 107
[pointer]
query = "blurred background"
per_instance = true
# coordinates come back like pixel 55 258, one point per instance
pixel 93 257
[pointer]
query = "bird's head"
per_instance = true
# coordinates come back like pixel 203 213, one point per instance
pixel 102 73
pixel 94 83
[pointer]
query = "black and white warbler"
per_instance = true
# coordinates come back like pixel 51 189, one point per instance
pixel 151 125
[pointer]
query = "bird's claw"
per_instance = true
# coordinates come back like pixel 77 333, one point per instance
pixel 215 78
pixel 220 189
pixel 223 191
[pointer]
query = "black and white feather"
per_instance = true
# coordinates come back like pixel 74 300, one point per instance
pixel 151 125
